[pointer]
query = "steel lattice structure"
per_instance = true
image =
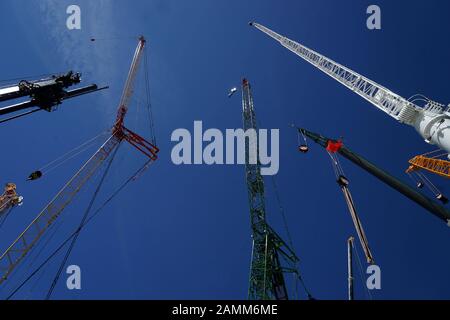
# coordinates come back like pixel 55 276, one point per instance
pixel 431 121
pixel 269 250
pixel 25 242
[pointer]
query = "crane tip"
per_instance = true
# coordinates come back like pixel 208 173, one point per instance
pixel 250 23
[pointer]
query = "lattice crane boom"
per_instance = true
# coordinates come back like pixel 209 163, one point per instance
pixel 17 251
pixel 380 97
pixel 435 165
pixel 431 121
pixel 266 272
pixel 129 83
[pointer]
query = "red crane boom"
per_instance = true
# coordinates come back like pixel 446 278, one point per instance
pixel 18 250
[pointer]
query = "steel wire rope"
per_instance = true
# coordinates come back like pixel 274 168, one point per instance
pixel 83 220
pixel 106 202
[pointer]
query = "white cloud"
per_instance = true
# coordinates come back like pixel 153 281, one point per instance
pixel 94 60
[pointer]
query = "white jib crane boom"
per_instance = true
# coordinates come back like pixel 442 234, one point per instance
pixel 432 121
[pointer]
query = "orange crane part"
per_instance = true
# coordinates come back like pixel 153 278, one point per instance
pixel 437 166
pixel 9 198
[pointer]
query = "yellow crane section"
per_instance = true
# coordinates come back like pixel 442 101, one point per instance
pixel 433 164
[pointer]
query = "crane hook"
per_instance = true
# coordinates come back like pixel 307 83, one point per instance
pixel 35 175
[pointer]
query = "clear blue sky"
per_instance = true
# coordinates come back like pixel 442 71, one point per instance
pixel 183 231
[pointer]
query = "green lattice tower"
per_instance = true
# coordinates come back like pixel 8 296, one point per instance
pixel 266 271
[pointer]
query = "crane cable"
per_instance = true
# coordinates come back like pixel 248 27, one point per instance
pixel 78 230
pixel 286 226
pixel 21 115
pixel 428 183
pixel 71 154
pixel 435 153
pixel 39 77
pixel 302 282
pixel 421 180
pixel 337 167
pixel 300 133
pixel 302 147
pixel 145 100
pixel 148 97
pixel 343 183
pixel 138 106
pixel 5 216
pixel 93 39
pixel 83 220
pixel 5 205
pixel 35 254
pixel 55 227
pixel 361 273
pixel 282 212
